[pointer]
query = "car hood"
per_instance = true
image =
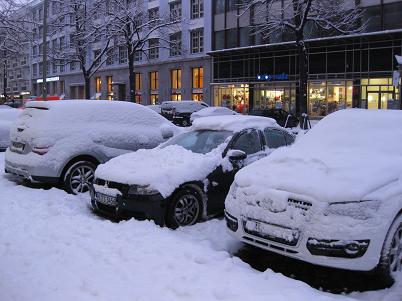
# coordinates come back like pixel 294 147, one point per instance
pixel 345 175
pixel 163 169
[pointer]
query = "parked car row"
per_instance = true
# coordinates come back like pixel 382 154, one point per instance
pixel 332 198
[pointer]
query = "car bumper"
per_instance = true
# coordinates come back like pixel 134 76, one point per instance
pixel 151 207
pixel 31 166
pixel 350 253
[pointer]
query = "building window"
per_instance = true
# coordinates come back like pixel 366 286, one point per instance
pixel 153 16
pixel 98 84
pixel 175 75
pixel 138 56
pixel 154 84
pixel 122 55
pixel 109 83
pixel 97 59
pixel 197 83
pixel 35 50
pixel 153 48
pixel 175 10
pixel 110 57
pixel 35 70
pixel 62 87
pixel 197 40
pixel 154 80
pixel 54 68
pixel 197 9
pixel 175 44
pixel 138 87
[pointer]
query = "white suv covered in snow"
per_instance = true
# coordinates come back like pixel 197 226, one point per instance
pixel 64 141
pixel 334 198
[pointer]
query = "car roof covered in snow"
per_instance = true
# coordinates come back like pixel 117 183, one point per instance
pixel 233 123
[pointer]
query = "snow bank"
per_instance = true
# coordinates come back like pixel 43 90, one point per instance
pixel 233 123
pixel 7 119
pixel 53 248
pixel 163 169
pixel 345 157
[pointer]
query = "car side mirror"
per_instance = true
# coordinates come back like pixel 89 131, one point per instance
pixel 167 132
pixel 236 155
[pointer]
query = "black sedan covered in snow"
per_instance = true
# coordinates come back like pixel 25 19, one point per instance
pixel 187 178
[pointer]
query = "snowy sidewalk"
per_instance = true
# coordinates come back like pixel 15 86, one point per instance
pixel 53 248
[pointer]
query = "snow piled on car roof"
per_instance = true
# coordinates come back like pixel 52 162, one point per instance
pixel 163 169
pixel 233 123
pixel 347 156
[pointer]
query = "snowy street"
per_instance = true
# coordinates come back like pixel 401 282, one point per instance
pixel 52 247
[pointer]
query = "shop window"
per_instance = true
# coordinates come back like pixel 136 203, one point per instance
pixel 109 83
pixel 248 142
pixel 197 96
pixel 198 78
pixel 175 97
pixel 176 78
pixel 336 96
pixel 317 99
pixel 154 80
pixel 233 97
pixel 138 87
pixel 98 84
pixel 154 99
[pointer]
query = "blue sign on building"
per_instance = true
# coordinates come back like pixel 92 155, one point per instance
pixel 271 77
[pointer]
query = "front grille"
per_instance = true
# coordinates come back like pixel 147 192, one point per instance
pixel 303 206
pixel 123 188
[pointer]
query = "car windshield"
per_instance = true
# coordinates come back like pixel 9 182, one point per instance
pixel 200 142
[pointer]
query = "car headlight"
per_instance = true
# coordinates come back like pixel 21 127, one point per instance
pixel 142 190
pixel 360 210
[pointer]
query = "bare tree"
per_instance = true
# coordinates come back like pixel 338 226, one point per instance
pixel 88 40
pixel 297 17
pixel 133 27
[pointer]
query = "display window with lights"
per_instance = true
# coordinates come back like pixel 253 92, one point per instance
pixel 234 97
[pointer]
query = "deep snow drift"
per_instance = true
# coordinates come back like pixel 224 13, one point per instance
pixel 53 248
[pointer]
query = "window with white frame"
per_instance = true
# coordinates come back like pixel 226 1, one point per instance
pixel 197 9
pixel 122 55
pixel 175 10
pixel 175 44
pixel 197 40
pixel 153 52
pixel 138 56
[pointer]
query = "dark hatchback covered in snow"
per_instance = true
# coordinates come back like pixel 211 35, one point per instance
pixel 187 178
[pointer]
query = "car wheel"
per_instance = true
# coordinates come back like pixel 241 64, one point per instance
pixel 390 265
pixel 79 176
pixel 184 210
pixel 185 123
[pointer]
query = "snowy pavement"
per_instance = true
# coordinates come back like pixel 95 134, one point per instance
pixel 53 248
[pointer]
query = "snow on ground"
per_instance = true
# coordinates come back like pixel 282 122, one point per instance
pixel 53 248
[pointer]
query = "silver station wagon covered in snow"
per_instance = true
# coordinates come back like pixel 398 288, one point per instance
pixel 64 141
pixel 334 198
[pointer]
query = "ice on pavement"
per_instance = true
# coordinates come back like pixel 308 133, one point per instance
pixel 53 248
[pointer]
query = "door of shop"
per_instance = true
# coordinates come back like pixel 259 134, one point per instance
pixel 378 100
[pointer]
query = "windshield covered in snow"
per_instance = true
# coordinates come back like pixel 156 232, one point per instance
pixel 200 142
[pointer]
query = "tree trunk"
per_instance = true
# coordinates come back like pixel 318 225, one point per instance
pixel 131 76
pixel 87 89
pixel 301 100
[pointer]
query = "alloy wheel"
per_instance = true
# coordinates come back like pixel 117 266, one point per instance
pixel 395 253
pixel 81 178
pixel 186 210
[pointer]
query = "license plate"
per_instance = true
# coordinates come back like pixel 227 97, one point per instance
pixel 273 232
pixel 106 199
pixel 17 146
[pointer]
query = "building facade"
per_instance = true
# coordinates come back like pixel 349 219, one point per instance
pixel 250 74
pixel 160 74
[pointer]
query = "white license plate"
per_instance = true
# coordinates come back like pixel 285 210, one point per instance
pixel 106 199
pixel 273 230
pixel 17 146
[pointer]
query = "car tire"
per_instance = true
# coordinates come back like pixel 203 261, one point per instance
pixel 391 255
pixel 185 209
pixel 78 177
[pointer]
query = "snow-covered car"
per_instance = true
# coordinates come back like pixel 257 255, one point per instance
pixel 63 141
pixel 211 111
pixel 186 178
pixel 156 108
pixel 179 112
pixel 8 116
pixel 334 198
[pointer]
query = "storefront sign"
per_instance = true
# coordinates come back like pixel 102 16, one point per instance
pixel 271 77
pixel 48 79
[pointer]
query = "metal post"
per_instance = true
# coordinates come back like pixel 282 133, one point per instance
pixel 44 49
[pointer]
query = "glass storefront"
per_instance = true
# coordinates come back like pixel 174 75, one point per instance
pixel 325 97
pixel 378 93
pixel 275 96
pixel 234 97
